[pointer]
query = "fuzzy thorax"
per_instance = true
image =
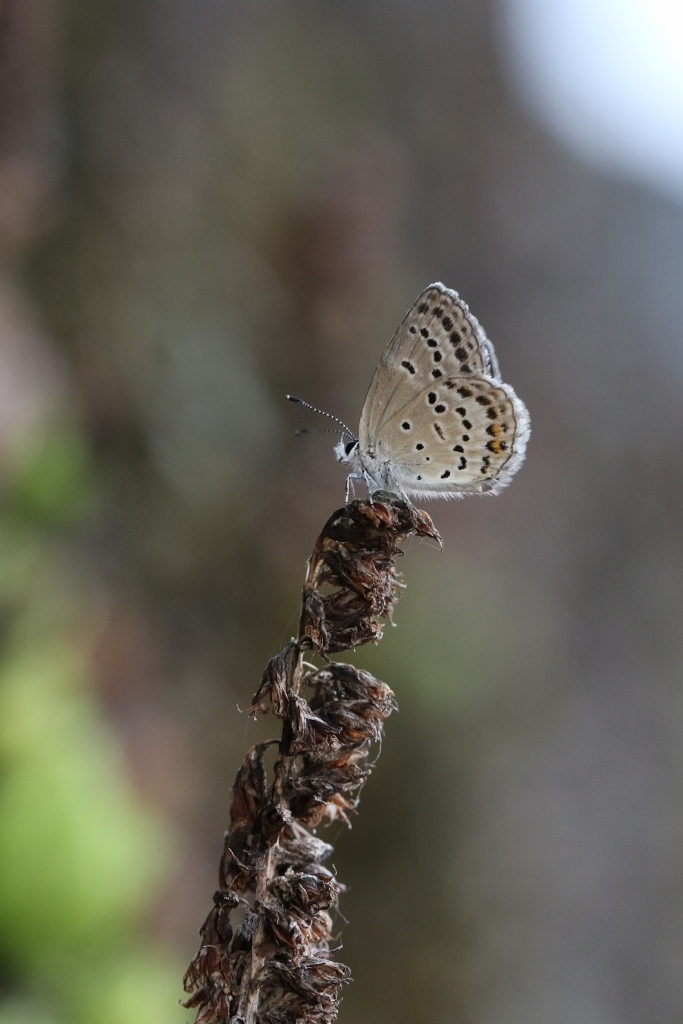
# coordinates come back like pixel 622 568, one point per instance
pixel 366 466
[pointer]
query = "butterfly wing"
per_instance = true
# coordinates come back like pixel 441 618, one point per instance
pixel 438 420
pixel 438 338
pixel 460 435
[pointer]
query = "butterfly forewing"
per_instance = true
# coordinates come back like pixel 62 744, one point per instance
pixel 439 338
pixel 463 434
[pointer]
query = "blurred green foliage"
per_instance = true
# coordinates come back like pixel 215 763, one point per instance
pixel 81 858
pixel 54 481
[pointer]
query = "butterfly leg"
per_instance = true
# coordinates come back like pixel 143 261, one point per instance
pixel 366 478
pixel 347 492
pixel 350 487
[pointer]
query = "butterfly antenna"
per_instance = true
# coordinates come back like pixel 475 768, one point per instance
pixel 305 430
pixel 306 405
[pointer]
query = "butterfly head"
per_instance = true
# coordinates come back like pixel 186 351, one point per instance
pixel 347 451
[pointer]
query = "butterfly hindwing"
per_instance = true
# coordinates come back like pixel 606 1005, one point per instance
pixel 464 434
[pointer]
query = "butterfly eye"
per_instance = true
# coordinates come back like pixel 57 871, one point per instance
pixel 348 448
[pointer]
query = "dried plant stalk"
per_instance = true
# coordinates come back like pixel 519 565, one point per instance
pixel 265 954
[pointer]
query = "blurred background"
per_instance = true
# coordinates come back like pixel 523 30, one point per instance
pixel 204 205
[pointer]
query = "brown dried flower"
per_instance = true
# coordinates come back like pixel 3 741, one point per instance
pixel 265 954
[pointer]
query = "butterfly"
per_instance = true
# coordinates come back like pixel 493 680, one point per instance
pixel 438 421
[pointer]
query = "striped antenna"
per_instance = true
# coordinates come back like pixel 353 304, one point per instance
pixel 306 405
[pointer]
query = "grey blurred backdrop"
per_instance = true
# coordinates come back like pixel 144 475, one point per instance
pixel 204 205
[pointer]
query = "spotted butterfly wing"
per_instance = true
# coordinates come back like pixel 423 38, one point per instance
pixel 437 414
pixel 438 338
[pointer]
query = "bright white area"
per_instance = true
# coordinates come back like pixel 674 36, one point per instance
pixel 606 76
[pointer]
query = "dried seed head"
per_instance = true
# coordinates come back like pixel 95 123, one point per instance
pixel 274 966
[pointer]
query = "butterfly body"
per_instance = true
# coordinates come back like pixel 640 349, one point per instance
pixel 438 421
